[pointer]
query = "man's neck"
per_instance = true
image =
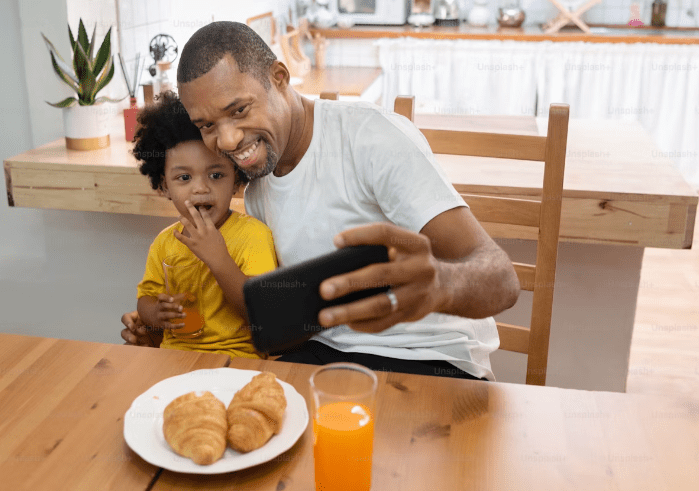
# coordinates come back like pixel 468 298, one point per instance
pixel 300 135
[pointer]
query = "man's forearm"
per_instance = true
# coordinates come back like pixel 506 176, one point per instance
pixel 480 285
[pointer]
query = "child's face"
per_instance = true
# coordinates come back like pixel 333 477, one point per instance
pixel 194 173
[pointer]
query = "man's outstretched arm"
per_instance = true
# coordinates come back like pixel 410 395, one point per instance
pixel 452 266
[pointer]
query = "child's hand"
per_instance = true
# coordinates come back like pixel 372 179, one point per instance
pixel 168 311
pixel 204 240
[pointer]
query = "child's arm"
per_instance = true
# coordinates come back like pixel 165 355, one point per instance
pixel 207 243
pixel 231 279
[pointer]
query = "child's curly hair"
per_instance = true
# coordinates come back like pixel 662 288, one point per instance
pixel 162 126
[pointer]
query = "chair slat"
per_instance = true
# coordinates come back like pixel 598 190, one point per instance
pixel 547 249
pixel 526 274
pixel 405 106
pixel 495 145
pixel 504 210
pixel 513 338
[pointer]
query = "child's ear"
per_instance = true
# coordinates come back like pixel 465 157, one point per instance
pixel 164 190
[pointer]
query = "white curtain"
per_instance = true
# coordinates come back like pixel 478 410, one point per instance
pixel 656 84
pixel 460 77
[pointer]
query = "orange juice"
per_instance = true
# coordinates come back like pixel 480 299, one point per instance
pixel 343 443
pixel 193 323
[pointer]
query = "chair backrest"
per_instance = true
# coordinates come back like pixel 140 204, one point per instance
pixel 545 215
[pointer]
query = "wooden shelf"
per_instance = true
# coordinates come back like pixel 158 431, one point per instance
pixel 619 189
pixel 348 81
pixel 529 33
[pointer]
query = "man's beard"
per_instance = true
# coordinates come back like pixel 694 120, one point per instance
pixel 269 167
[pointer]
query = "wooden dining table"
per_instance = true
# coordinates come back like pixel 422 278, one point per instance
pixel 63 402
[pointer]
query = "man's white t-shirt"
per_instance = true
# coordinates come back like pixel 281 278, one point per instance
pixel 365 165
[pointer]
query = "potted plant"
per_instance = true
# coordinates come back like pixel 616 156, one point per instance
pixel 85 117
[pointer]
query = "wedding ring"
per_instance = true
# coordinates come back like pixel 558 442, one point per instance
pixel 393 299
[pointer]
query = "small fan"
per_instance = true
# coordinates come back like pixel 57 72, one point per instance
pixel 162 48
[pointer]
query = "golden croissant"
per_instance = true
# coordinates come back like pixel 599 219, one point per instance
pixel 195 427
pixel 255 413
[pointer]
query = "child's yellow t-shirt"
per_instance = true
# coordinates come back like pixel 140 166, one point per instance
pixel 250 244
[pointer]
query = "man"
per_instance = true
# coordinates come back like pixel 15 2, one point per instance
pixel 329 174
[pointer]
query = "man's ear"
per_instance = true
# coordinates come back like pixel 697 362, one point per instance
pixel 280 74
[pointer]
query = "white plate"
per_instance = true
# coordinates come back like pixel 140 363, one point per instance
pixel 143 422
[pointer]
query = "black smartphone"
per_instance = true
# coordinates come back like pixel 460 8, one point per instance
pixel 283 305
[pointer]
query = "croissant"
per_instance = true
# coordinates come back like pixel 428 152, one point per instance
pixel 255 413
pixel 195 427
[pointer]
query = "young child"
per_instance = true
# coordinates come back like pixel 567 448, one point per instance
pixel 232 246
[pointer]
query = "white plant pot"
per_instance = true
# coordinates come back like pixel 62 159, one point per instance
pixel 87 127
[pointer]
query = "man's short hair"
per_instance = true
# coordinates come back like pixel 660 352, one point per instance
pixel 214 41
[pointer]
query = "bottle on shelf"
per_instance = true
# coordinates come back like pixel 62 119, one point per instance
pixel 658 11
pixel 162 82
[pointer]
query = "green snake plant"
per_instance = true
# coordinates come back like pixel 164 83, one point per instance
pixel 90 72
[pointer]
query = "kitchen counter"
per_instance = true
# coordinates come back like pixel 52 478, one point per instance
pixel 600 33
pixel 619 188
pixel 349 82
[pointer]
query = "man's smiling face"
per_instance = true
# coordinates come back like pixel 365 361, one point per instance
pixel 238 117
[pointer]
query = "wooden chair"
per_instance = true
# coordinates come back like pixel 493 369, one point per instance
pixel 331 96
pixel 545 215
pixel 297 62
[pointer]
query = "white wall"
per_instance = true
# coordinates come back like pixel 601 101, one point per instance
pixel 140 21
pixel 16 137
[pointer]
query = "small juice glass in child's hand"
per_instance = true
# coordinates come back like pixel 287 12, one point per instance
pixel 183 281
pixel 193 321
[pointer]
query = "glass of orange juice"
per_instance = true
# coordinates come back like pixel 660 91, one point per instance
pixel 344 399
pixel 183 277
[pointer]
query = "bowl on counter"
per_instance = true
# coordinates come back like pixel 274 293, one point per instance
pixel 510 17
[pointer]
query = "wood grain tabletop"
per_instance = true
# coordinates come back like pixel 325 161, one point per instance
pixel 62 405
pixel 449 434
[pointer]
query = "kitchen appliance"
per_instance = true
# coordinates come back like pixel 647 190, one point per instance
pixel 387 12
pixel 479 16
pixel 446 13
pixel 421 13
pixel 510 13
pixel 320 15
pixel 162 48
